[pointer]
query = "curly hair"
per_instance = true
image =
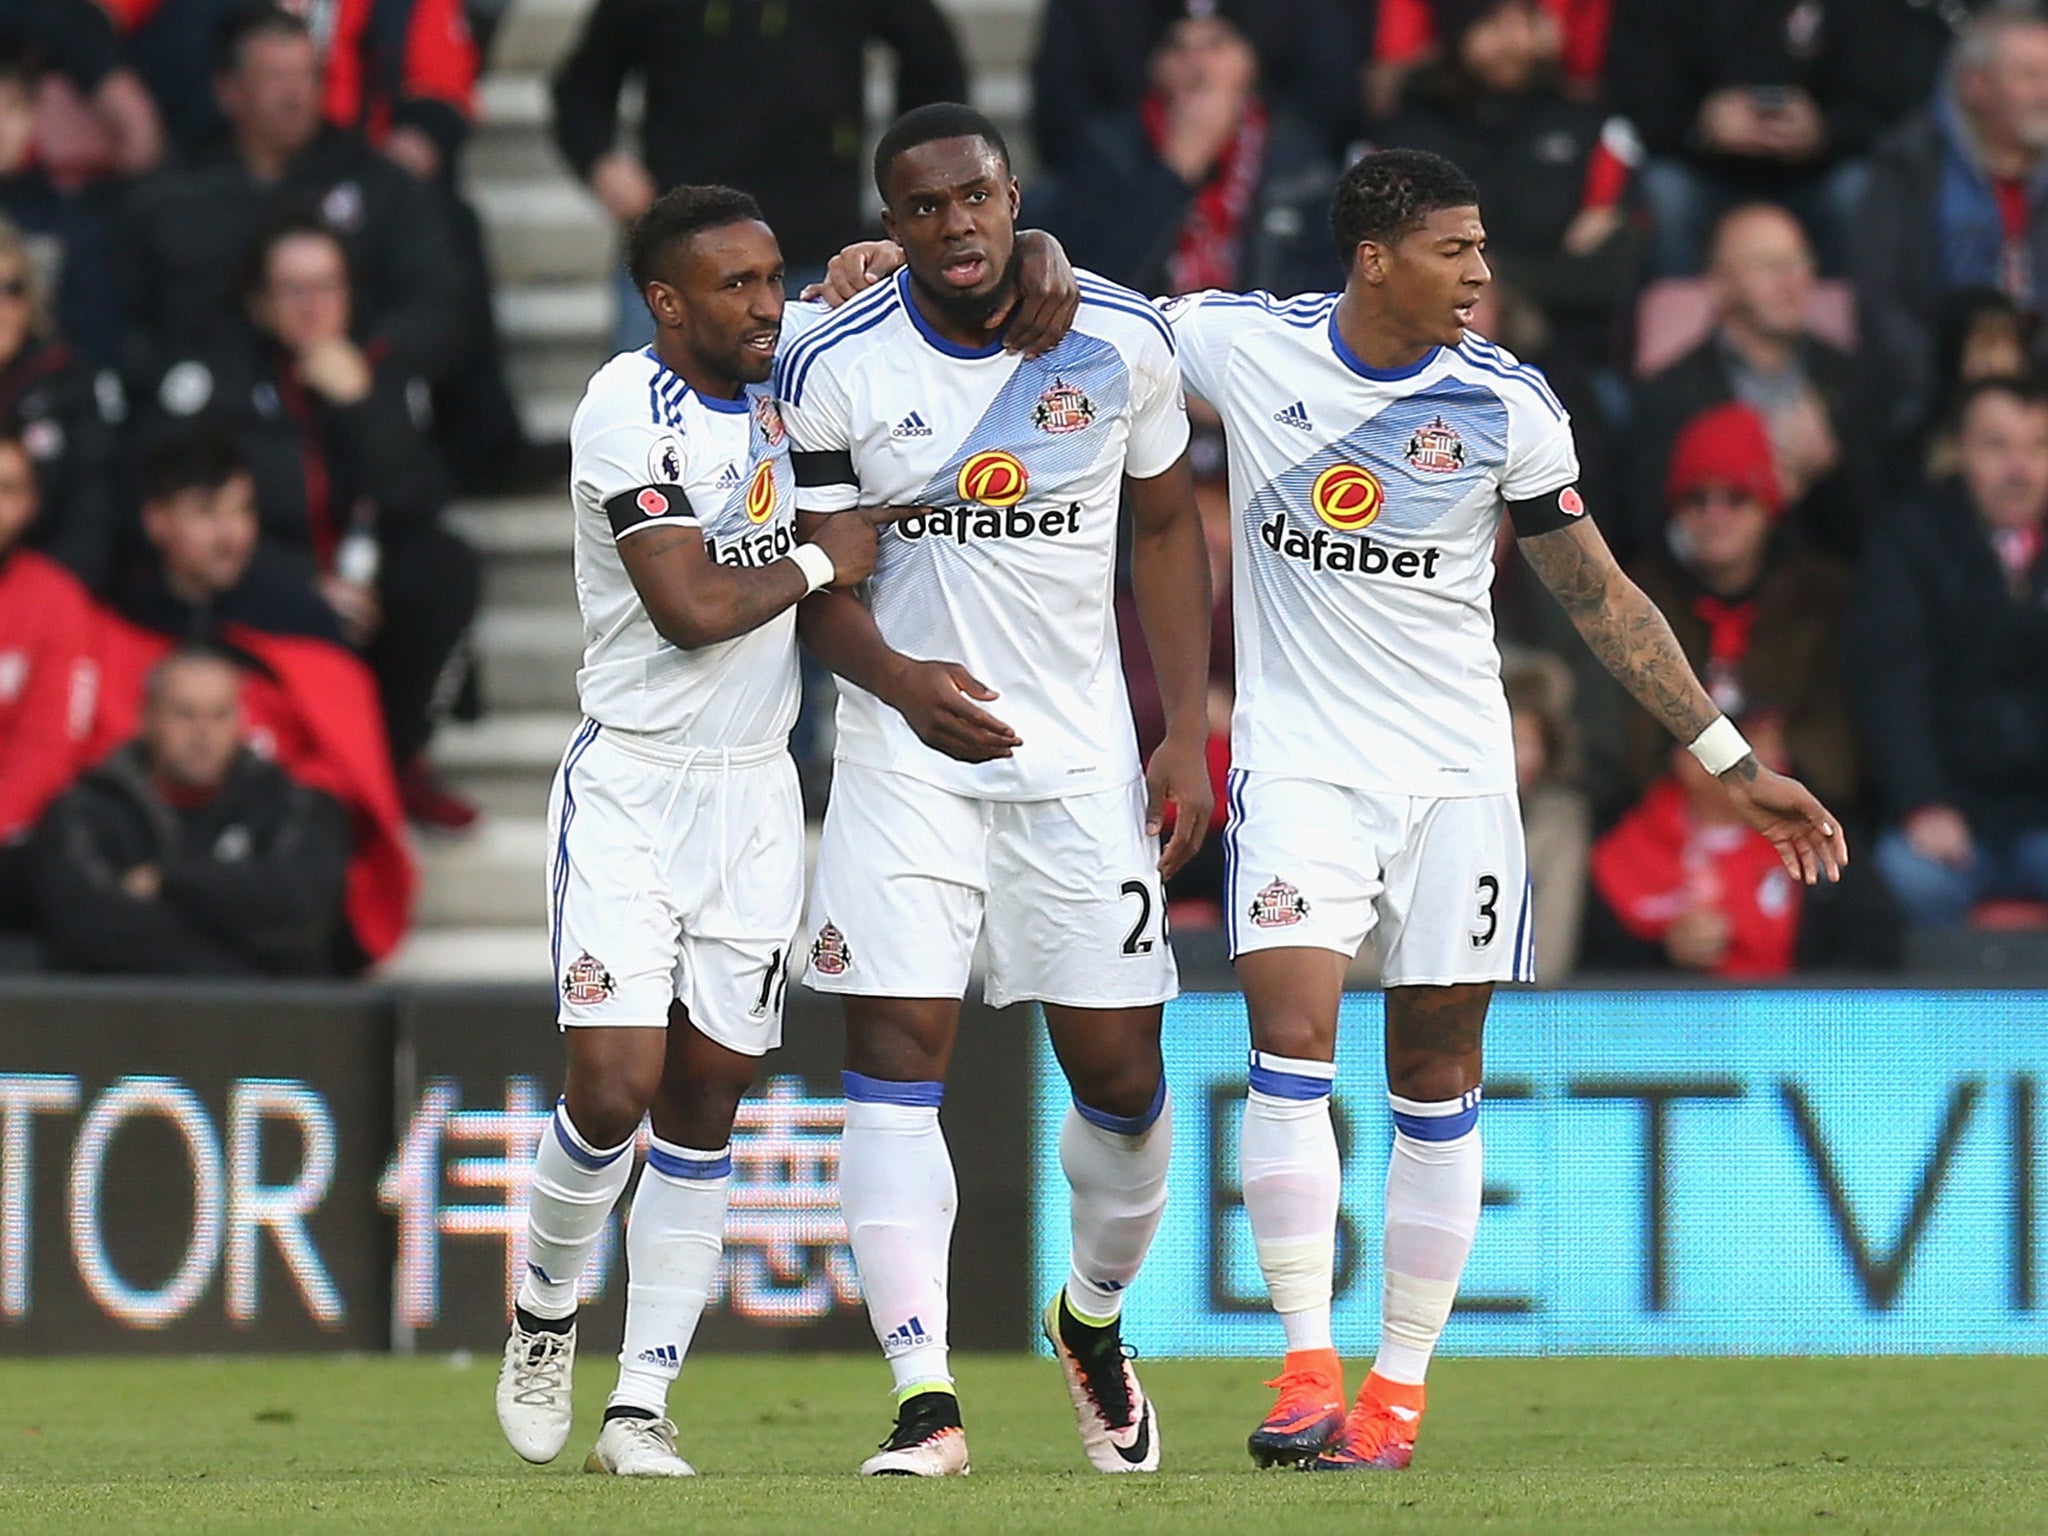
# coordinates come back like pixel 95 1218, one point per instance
pixel 1388 193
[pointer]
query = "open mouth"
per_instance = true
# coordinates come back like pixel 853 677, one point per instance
pixel 762 342
pixel 964 270
pixel 1465 311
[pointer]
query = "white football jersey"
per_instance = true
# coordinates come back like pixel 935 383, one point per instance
pixel 1022 462
pixel 1365 504
pixel 647 451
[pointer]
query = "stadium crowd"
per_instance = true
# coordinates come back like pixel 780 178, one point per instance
pixel 1781 258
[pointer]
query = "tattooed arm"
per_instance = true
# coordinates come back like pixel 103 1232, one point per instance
pixel 1633 641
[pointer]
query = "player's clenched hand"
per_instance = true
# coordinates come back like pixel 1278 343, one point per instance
pixel 937 699
pixel 1808 839
pixel 854 270
pixel 850 539
pixel 1179 773
pixel 1041 310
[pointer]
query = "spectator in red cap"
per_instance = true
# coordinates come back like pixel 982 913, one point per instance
pixel 1760 618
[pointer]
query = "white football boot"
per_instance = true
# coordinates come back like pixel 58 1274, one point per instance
pixel 637 1448
pixel 533 1391
pixel 1119 1430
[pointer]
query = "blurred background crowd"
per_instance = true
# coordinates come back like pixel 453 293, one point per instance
pixel 284 335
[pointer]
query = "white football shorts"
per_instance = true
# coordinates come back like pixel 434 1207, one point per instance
pixel 909 874
pixel 1443 881
pixel 678 876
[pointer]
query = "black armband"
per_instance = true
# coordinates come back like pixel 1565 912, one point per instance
pixel 633 510
pixel 1547 513
pixel 827 466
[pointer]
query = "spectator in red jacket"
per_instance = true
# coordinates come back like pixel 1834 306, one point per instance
pixel 47 677
pixel 1681 883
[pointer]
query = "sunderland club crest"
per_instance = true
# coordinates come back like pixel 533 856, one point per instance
pixel 587 983
pixel 1279 905
pixel 1061 409
pixel 830 954
pixel 1436 449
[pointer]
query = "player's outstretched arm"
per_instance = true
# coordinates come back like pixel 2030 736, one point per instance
pixel 695 601
pixel 1170 580
pixel 1635 643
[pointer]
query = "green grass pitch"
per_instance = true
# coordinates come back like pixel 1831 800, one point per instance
pixel 1940 1446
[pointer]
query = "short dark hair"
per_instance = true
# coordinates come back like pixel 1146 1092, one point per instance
pixel 298 224
pixel 244 22
pixel 202 459
pixel 926 125
pixel 2026 390
pixel 1388 193
pixel 184 653
pixel 676 215
pixel 21 63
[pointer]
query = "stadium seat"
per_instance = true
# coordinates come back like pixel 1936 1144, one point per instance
pixel 1675 313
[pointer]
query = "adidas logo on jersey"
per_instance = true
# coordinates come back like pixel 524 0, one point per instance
pixel 963 523
pixel 1325 551
pixel 912 425
pixel 1296 416
pixel 729 479
pixel 905 1336
pixel 754 550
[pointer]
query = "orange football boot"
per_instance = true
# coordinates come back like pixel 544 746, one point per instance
pixel 1309 1413
pixel 1379 1433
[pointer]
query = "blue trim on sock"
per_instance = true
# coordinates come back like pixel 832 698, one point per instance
pixel 1126 1125
pixel 699 1168
pixel 570 1145
pixel 1289 1085
pixel 862 1089
pixel 1437 1127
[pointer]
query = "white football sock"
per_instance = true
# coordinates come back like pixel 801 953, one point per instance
pixel 1291 1179
pixel 673 1239
pixel 897 1192
pixel 575 1186
pixel 1116 1176
pixel 1433 1187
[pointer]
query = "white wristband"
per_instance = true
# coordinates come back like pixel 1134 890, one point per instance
pixel 1719 747
pixel 817 566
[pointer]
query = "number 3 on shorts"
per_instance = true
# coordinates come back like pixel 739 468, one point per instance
pixel 1489 899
